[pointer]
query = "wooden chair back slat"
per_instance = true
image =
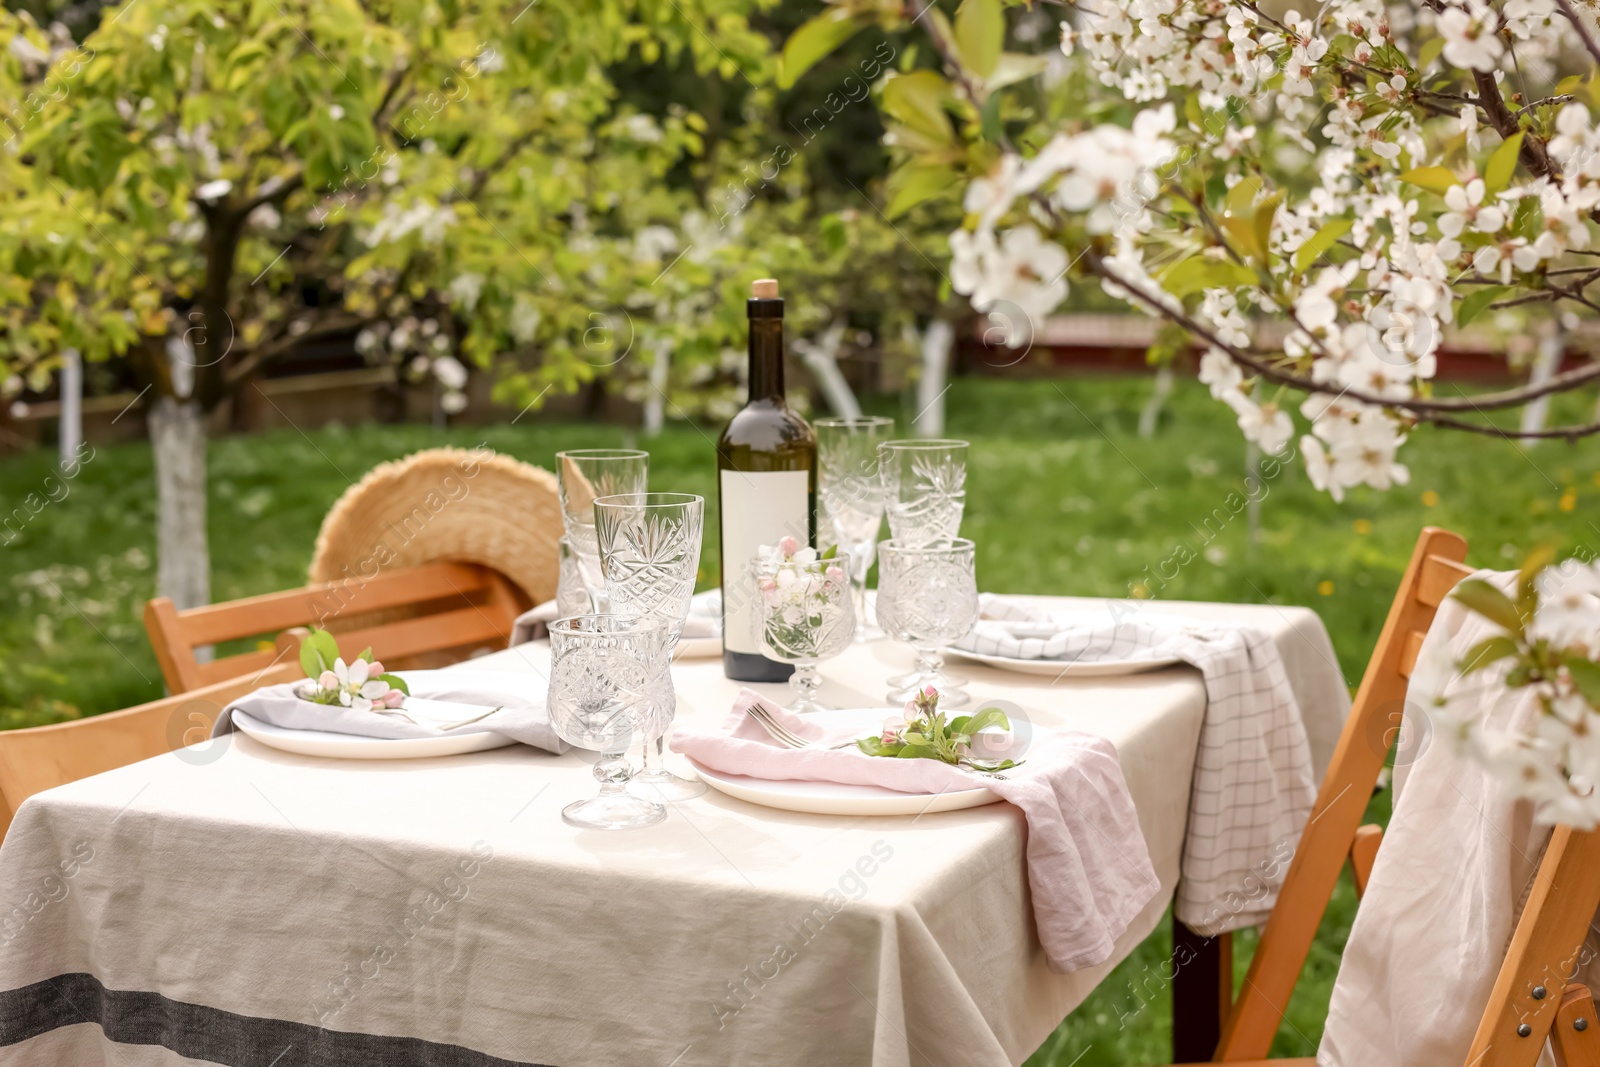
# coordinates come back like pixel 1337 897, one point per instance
pixel 1546 949
pixel 1410 653
pixel 1330 833
pixel 412 637
pixel 1576 1032
pixel 43 757
pixel 442 607
pixel 271 612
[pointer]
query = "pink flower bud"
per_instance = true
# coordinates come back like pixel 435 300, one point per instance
pixel 931 693
pixel 374 669
pixel 788 546
pixel 392 698
pixel 327 680
pixel 833 575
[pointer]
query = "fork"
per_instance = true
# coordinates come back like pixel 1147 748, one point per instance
pixel 789 739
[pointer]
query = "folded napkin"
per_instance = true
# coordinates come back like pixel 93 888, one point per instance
pixel 441 703
pixel 1088 868
pixel 704 619
pixel 1253 781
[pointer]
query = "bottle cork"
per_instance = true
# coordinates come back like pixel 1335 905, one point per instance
pixel 765 289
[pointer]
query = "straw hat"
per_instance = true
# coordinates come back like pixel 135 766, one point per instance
pixel 447 504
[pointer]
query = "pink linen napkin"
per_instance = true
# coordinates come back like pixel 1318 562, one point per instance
pixel 1088 868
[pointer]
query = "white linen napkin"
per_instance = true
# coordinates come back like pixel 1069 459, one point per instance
pixel 704 619
pixel 441 703
pixel 1456 867
pixel 1253 783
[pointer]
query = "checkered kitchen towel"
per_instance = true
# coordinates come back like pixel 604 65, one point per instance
pixel 1253 781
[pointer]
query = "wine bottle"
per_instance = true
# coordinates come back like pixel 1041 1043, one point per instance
pixel 766 486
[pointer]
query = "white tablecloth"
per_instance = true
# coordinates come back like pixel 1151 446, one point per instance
pixel 429 912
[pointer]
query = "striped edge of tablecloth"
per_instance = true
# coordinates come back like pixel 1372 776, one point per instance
pixel 197 1032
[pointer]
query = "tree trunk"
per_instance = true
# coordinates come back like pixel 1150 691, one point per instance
pixel 178 441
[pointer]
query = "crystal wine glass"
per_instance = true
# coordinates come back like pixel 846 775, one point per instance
pixel 850 494
pixel 804 614
pixel 928 597
pixel 609 682
pixel 650 557
pixel 582 475
pixel 925 488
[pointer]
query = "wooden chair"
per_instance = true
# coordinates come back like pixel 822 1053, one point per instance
pixel 43 757
pixel 1335 832
pixel 423 616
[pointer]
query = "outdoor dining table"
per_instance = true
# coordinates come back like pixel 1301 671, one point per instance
pixel 242 905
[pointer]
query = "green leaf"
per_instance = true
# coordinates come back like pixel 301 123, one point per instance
pixel 1429 52
pixel 1266 213
pixel 1586 676
pixel 987 717
pixel 874 746
pixel 917 100
pixel 1203 272
pixel 813 41
pixel 1488 651
pixel 1569 85
pixel 1192 112
pixel 980 32
pixel 326 646
pixel 1014 67
pixel 918 751
pixel 958 725
pixel 1527 590
pixel 915 182
pixel 1483 598
pixel 310 659
pixel 828 553
pixel 366 654
pixel 1319 243
pixel 1477 302
pixel 1434 179
pixel 1497 173
pixel 395 682
pixel 1242 197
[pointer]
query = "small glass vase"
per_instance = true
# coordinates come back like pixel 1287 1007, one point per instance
pixel 805 613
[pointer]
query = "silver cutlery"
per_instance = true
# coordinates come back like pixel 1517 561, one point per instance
pixel 789 739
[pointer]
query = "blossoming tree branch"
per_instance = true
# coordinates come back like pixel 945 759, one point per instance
pixel 1366 176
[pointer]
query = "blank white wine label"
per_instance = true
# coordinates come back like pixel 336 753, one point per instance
pixel 758 508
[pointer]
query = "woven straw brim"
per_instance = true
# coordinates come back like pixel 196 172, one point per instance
pixel 447 504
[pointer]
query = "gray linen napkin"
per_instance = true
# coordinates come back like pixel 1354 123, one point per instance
pixel 439 699
pixel 704 619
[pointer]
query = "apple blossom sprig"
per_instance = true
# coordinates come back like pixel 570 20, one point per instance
pixel 924 733
pixel 1549 641
pixel 801 592
pixel 362 684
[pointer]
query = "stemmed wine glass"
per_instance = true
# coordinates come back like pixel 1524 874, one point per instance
pixel 850 494
pixel 609 682
pixel 650 556
pixel 925 488
pixel 927 597
pixel 582 475
pixel 804 614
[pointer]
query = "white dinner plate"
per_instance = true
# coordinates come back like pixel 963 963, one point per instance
pixel 836 798
pixel 698 648
pixel 349 746
pixel 1056 668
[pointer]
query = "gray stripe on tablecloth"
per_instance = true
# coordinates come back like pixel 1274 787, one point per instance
pixel 200 1033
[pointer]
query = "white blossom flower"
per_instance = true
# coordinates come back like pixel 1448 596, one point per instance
pixel 1569 605
pixel 1469 37
pixel 450 372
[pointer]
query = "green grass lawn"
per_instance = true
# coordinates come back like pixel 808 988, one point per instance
pixel 1064 497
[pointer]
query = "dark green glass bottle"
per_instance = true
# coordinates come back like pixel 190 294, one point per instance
pixel 766 486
